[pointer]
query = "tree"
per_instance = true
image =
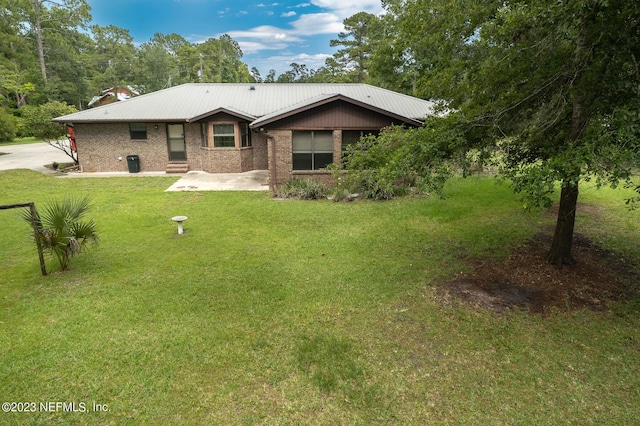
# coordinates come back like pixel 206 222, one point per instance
pixel 7 126
pixel 61 14
pixel 38 120
pixel 299 73
pixel 255 73
pixel 18 67
pixel 114 59
pixel 219 61
pixel 158 69
pixel 62 229
pixel 554 85
pixel 363 31
pixel 271 76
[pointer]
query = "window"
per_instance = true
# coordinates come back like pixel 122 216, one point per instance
pixel 352 136
pixel 312 150
pixel 204 134
pixel 138 130
pixel 245 135
pixel 224 136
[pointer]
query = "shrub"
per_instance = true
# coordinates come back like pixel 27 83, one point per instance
pixel 7 127
pixel 400 161
pixel 304 189
pixel 62 230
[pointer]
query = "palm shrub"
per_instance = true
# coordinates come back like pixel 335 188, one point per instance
pixel 63 230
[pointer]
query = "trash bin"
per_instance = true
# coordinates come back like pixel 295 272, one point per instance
pixel 133 161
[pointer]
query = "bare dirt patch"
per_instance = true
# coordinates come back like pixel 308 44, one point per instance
pixel 525 280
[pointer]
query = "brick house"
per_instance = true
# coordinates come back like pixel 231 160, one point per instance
pixel 289 129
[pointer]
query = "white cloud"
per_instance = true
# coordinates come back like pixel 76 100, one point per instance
pixel 294 36
pixel 265 35
pixel 317 23
pixel 345 8
pixel 282 63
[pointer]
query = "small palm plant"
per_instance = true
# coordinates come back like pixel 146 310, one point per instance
pixel 63 230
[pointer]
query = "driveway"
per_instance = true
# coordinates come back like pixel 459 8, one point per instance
pixel 31 156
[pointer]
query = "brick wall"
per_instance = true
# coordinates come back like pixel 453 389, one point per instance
pixel 104 148
pixel 284 159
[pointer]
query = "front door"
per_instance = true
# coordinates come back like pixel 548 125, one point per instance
pixel 176 143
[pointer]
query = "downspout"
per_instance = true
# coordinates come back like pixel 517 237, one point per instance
pixel 273 169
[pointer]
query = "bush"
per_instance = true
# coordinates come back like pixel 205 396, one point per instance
pixel 63 229
pixel 400 161
pixel 304 189
pixel 7 127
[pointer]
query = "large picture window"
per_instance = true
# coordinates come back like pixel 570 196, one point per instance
pixel 138 130
pixel 224 136
pixel 312 150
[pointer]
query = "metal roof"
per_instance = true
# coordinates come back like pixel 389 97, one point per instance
pixel 265 102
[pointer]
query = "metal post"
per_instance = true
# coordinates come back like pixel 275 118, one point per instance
pixel 34 215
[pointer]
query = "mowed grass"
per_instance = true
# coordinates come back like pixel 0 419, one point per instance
pixel 293 312
pixel 22 141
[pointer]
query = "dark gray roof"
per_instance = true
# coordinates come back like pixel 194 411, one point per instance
pixel 259 103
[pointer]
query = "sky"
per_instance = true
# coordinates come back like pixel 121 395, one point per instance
pixel 271 34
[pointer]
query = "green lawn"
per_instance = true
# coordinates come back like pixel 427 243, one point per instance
pixel 292 312
pixel 21 141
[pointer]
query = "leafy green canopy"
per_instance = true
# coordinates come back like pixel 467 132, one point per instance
pixel 554 85
pixel 385 166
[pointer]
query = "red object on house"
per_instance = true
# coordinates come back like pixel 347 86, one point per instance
pixel 72 138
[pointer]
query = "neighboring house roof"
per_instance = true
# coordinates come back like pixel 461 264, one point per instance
pixel 122 94
pixel 260 103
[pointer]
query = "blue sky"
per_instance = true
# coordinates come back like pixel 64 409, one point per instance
pixel 271 34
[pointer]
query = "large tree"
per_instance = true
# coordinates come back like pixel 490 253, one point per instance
pixel 363 31
pixel 555 85
pixel 114 60
pixel 46 16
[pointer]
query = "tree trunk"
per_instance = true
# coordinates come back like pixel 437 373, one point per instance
pixel 560 253
pixel 40 41
pixel 562 243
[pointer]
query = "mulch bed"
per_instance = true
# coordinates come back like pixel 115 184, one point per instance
pixel 525 280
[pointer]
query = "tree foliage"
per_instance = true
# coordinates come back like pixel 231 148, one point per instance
pixel 37 120
pixel 7 127
pixel 63 229
pixel 553 86
pixel 401 160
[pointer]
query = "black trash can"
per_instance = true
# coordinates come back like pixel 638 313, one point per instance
pixel 133 161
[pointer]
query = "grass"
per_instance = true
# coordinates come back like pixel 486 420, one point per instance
pixel 294 312
pixel 21 141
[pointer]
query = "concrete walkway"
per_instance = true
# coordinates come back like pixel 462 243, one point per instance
pixel 35 156
pixel 255 180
